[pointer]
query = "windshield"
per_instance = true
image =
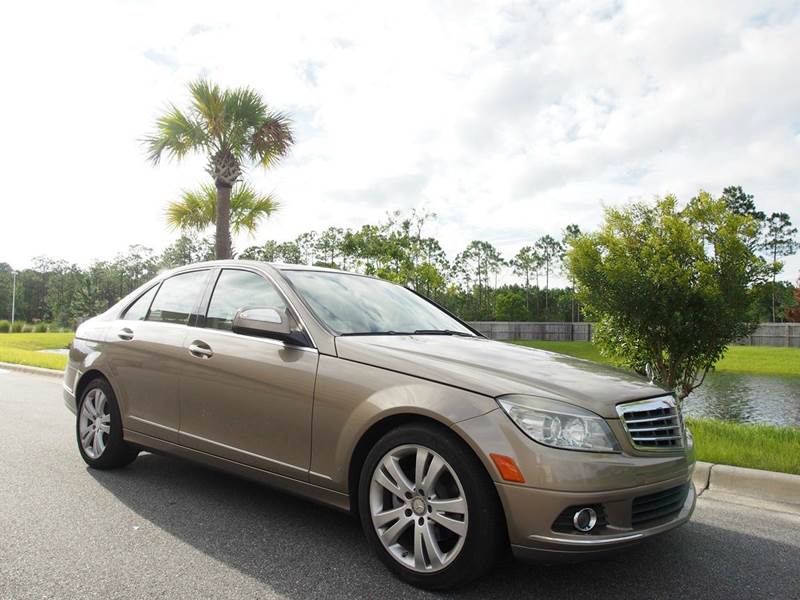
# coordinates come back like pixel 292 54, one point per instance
pixel 355 305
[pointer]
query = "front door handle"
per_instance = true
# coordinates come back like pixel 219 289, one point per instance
pixel 125 334
pixel 200 349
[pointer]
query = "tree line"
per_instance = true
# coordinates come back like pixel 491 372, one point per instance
pixel 397 249
pixel 477 284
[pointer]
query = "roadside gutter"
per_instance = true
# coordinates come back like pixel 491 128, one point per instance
pixel 32 370
pixel 752 487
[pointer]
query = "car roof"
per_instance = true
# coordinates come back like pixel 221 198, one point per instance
pixel 256 263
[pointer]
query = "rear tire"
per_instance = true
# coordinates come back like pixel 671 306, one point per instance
pixel 98 428
pixel 437 538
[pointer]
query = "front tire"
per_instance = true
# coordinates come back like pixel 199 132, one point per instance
pixel 99 428
pixel 429 509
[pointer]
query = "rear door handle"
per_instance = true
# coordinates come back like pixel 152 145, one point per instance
pixel 125 334
pixel 200 349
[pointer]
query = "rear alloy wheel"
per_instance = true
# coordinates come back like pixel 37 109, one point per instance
pixel 94 423
pixel 429 509
pixel 99 428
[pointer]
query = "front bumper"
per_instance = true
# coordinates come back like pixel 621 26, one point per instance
pixel 68 387
pixel 557 480
pixel 530 514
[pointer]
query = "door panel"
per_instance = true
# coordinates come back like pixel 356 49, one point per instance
pixel 250 400
pixel 146 374
pixel 246 398
pixel 145 348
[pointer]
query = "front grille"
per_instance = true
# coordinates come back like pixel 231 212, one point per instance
pixel 660 505
pixel 653 424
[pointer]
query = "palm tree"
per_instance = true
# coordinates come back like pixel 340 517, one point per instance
pixel 235 129
pixel 197 209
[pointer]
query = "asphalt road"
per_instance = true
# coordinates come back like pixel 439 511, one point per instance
pixel 165 528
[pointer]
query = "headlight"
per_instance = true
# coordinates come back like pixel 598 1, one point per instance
pixel 559 424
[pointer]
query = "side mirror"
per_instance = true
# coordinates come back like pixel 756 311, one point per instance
pixel 266 321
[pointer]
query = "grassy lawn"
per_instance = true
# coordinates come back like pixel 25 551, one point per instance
pixel 757 360
pixel 21 348
pixel 753 446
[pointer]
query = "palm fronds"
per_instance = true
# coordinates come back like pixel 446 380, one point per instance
pixel 233 120
pixel 176 135
pixel 197 209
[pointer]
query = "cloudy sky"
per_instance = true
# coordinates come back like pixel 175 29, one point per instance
pixel 509 120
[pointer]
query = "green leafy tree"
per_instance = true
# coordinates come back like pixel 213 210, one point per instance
pixel 306 242
pixel 290 253
pixel 235 129
pixel 328 247
pixel 669 287
pixel 793 311
pixel 272 251
pixel 268 252
pixel 571 232
pixel 510 306
pixel 741 203
pixel 187 249
pixel 475 266
pixel 779 292
pixel 197 209
pixel 526 264
pixel 779 241
pixel 551 252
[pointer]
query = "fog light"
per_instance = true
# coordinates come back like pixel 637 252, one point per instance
pixel 585 519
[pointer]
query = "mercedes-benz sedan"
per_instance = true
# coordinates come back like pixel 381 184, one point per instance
pixel 363 395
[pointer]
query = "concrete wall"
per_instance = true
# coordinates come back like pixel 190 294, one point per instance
pixel 767 334
pixel 522 330
pixel 774 334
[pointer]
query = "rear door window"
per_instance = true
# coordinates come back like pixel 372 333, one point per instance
pixel 138 310
pixel 239 289
pixel 178 298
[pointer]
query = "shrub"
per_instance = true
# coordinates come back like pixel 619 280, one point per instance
pixel 27 328
pixel 16 326
pixel 5 326
pixel 670 287
pixel 40 328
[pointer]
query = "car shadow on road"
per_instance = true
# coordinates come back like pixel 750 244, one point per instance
pixel 302 550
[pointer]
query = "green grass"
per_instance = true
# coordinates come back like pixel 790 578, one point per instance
pixel 752 446
pixel 756 360
pixel 21 349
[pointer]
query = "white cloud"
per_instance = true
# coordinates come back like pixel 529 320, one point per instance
pixel 509 120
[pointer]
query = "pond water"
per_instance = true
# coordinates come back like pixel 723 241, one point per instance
pixel 747 399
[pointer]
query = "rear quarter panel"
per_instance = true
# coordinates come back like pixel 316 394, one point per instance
pixel 85 355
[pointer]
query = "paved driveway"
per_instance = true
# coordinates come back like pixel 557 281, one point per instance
pixel 163 528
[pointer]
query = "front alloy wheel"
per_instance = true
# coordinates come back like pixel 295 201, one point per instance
pixel 429 508
pixel 418 508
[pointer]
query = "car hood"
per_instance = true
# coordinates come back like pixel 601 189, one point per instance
pixel 497 368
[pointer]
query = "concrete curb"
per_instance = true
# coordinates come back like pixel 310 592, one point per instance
pixel 769 486
pixel 32 370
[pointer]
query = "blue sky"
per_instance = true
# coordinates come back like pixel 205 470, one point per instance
pixel 509 120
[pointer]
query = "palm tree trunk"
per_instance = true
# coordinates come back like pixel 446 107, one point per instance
pixel 223 237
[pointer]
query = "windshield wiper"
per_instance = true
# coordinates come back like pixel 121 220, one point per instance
pixel 415 332
pixel 441 332
pixel 377 333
